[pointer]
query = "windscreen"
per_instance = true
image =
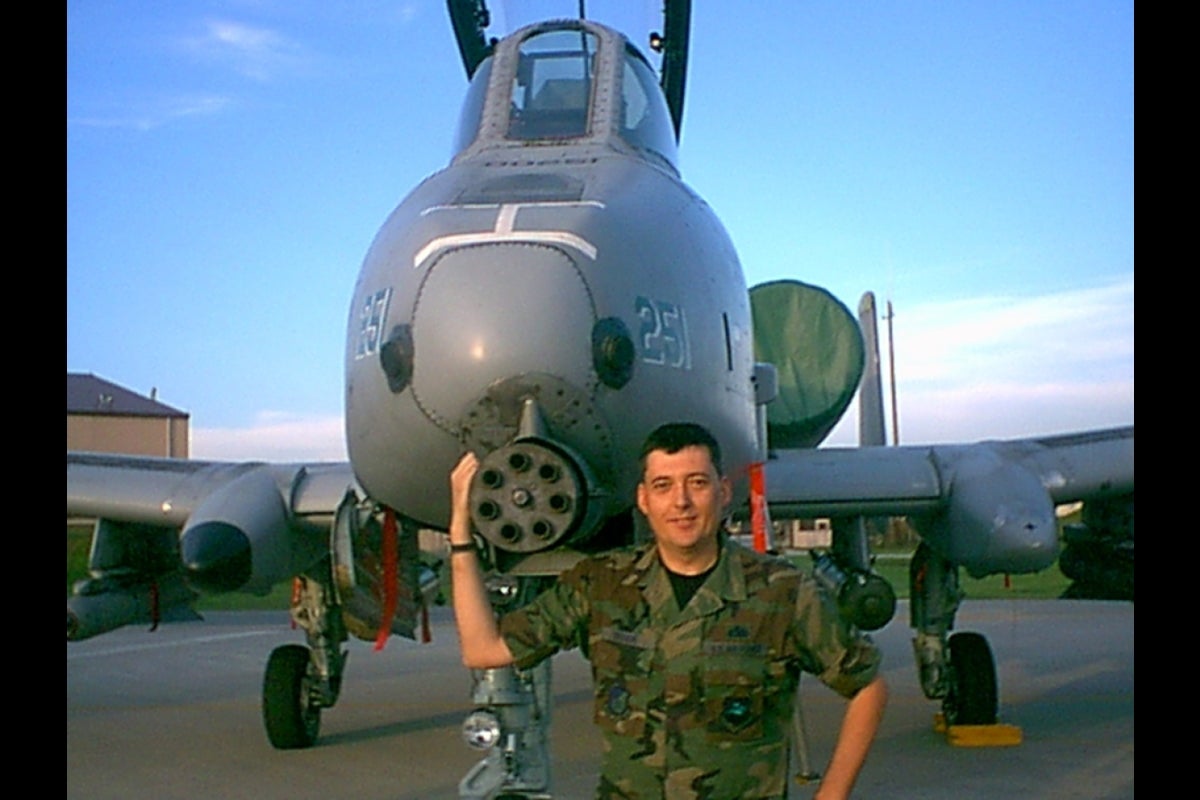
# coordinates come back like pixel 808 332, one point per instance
pixel 552 91
pixel 471 115
pixel 645 121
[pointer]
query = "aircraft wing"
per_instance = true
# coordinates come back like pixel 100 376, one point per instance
pixel 229 526
pixel 166 491
pixel 987 506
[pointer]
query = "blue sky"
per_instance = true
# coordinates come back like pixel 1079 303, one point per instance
pixel 229 162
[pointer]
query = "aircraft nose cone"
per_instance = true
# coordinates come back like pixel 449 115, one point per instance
pixel 490 312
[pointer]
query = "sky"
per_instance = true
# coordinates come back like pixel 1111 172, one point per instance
pixel 230 161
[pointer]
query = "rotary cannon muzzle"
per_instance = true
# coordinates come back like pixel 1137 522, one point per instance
pixel 528 496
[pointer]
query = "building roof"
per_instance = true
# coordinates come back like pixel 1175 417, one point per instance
pixel 88 394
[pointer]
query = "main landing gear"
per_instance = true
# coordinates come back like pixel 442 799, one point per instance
pixel 353 590
pixel 957 669
pixel 300 681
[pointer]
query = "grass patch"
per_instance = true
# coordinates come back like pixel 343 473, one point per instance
pixel 1048 584
pixel 278 599
pixel 79 542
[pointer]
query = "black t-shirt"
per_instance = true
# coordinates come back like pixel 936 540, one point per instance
pixel 686 585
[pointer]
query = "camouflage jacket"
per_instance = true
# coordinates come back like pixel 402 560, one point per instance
pixel 697 703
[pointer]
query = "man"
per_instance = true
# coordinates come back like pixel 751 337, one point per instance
pixel 696 642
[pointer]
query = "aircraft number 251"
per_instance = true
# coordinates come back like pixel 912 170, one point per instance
pixel 662 333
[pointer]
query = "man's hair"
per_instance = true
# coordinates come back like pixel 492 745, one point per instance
pixel 674 436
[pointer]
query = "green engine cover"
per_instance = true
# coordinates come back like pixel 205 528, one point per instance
pixel 817 349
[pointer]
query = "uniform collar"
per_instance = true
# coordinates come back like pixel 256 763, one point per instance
pixel 725 584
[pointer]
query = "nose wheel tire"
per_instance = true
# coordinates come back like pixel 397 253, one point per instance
pixel 290 716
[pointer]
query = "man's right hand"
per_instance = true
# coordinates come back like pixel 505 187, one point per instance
pixel 460 493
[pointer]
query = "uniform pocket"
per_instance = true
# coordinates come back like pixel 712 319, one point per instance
pixel 734 703
pixel 616 709
pixel 620 660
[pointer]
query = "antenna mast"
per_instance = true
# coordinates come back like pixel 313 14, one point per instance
pixel 892 376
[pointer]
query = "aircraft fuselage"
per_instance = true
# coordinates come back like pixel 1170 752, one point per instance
pixel 573 287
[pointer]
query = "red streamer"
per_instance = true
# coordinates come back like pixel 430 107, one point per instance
pixel 390 555
pixel 297 588
pixel 758 507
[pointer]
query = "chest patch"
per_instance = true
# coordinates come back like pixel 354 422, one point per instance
pixel 735 648
pixel 625 638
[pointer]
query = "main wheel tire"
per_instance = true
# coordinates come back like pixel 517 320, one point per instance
pixel 291 719
pixel 972 698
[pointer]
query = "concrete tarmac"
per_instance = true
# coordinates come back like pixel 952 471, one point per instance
pixel 177 714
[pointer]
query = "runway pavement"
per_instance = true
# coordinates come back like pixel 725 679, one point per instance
pixel 176 714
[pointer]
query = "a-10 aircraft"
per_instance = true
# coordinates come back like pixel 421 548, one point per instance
pixel 547 299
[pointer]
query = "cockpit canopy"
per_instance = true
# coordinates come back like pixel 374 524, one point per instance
pixel 567 82
pixel 552 92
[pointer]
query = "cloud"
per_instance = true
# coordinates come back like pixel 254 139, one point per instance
pixel 1011 366
pixel 274 436
pixel 150 114
pixel 257 53
pixel 983 339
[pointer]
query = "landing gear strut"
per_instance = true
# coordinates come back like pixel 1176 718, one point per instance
pixel 511 720
pixel 301 681
pixel 346 593
pixel 958 670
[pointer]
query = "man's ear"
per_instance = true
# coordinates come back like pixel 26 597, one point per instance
pixel 641 497
pixel 726 492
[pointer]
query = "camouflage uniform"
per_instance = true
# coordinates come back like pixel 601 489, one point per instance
pixel 694 704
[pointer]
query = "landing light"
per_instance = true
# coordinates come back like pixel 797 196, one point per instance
pixel 481 729
pixel 612 352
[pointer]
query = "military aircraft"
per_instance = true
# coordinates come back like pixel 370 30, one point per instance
pixel 545 300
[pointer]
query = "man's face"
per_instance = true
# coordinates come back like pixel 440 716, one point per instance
pixel 683 498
